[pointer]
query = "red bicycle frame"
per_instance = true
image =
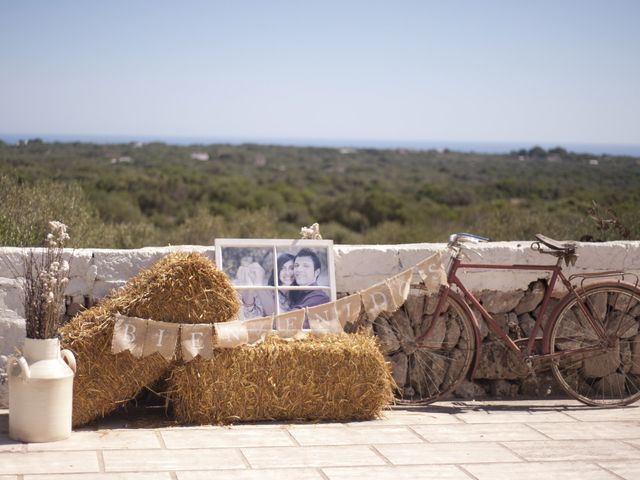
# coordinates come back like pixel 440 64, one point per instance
pixel 528 352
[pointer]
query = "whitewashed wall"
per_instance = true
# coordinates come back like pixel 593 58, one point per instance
pixel 94 272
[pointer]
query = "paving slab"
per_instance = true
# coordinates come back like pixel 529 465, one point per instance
pixel 104 476
pixel 439 453
pixel 629 470
pixel 350 435
pixel 455 440
pixel 318 456
pixel 272 474
pixel 422 472
pixel 540 470
pixel 568 450
pixel 229 437
pixel 49 462
pixel 480 432
pixel 592 430
pixel 104 439
pixel 594 414
pixel 162 460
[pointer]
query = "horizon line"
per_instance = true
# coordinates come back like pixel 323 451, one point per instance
pixel 478 146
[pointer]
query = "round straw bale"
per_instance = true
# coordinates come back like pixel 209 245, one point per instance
pixel 180 288
pixel 335 378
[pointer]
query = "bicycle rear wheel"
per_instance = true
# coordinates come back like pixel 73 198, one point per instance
pixel 437 365
pixel 601 373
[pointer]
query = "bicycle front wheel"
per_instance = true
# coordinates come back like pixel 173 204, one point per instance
pixel 596 371
pixel 435 366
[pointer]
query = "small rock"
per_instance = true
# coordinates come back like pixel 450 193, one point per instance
pixel 526 322
pixel 399 368
pixel 414 305
pixel 504 389
pixel 386 337
pixel 500 302
pixel 532 298
pixel 469 390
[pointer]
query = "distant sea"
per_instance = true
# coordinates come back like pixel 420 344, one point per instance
pixel 459 146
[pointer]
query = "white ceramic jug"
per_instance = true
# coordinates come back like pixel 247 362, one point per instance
pixel 41 392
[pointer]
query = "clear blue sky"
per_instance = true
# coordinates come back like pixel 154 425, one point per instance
pixel 544 71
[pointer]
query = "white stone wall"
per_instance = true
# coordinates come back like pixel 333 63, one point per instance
pixel 95 272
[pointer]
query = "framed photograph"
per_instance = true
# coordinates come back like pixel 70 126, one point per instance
pixel 273 277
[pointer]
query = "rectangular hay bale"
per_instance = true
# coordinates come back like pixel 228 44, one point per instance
pixel 333 378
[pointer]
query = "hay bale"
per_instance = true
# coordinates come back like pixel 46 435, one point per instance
pixel 180 288
pixel 335 378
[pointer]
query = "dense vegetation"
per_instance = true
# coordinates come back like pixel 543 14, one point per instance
pixel 132 195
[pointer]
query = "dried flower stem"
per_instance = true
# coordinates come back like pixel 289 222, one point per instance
pixel 45 279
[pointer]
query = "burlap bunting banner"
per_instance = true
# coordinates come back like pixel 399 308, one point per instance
pixel 323 319
pixel 231 334
pixel 378 299
pixel 349 309
pixel 197 339
pixel 258 329
pixel 161 337
pixel 290 324
pixel 432 272
pixel 129 334
pixel 144 337
pixel 399 285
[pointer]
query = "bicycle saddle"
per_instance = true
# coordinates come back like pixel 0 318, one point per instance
pixel 568 247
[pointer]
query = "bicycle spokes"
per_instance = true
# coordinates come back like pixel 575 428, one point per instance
pixel 596 370
pixel 426 370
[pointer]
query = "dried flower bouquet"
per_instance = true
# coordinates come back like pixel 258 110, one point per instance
pixel 45 279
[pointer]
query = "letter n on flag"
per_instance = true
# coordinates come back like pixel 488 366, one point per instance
pixel 231 334
pixel 324 318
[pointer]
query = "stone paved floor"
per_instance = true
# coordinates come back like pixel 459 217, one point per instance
pixel 447 441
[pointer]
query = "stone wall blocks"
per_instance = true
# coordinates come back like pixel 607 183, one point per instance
pixel 532 298
pixel 500 302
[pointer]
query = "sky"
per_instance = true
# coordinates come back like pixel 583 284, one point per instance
pixel 537 72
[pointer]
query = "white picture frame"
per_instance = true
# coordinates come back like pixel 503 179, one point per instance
pixel 250 265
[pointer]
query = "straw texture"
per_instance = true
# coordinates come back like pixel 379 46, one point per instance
pixel 180 288
pixel 337 378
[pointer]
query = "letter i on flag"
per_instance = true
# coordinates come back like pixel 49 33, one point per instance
pixel 161 337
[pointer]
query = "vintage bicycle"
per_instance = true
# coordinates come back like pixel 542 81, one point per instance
pixel 590 340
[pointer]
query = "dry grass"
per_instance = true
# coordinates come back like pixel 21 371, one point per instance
pixel 335 378
pixel 180 288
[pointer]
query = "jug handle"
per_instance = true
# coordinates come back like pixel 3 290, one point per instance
pixel 67 356
pixel 21 363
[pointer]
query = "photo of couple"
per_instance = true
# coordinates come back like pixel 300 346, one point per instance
pixel 298 278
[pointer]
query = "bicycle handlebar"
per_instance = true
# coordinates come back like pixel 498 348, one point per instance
pixel 464 237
